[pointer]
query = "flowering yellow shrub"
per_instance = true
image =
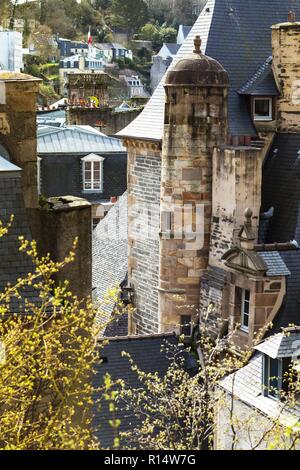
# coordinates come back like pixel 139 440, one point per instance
pixel 48 352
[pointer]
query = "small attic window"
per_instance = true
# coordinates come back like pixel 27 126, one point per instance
pixel 92 168
pixel 262 109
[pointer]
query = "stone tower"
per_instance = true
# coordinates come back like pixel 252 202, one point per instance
pixel 195 123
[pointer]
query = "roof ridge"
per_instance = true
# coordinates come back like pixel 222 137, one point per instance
pixel 259 74
pixel 140 337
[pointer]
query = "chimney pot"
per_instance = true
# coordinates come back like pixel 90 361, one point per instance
pixel 291 17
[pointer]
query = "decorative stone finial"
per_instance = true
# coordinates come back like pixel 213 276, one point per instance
pixel 197 42
pixel 248 214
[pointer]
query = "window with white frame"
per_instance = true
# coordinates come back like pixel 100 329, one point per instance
pixel 263 109
pixel 92 169
pixel 245 310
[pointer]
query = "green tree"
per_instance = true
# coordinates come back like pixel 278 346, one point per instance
pixel 168 34
pixel 130 14
pixel 157 34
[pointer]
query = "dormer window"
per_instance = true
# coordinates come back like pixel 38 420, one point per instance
pixel 262 109
pixel 245 310
pixel 92 169
pixel 279 358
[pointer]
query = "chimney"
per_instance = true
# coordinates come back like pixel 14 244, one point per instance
pixel 18 94
pixel 82 63
pixel 291 17
pixel 286 67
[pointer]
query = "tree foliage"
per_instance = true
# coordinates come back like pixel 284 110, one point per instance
pixel 48 352
pixel 157 34
pixel 179 410
pixel 130 14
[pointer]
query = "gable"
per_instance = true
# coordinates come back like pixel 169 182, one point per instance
pixel 245 261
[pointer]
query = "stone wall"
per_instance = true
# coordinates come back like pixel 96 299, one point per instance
pixel 237 175
pixel 144 176
pixel 113 122
pixel 286 65
pixel 55 229
pixel 214 299
pixel 18 128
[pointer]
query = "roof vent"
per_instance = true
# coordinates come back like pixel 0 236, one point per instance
pixel 291 16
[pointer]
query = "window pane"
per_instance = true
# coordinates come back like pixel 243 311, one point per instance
pixel 186 327
pixel 246 320
pixel 247 295
pixel 273 377
pixel 262 108
pixel 97 175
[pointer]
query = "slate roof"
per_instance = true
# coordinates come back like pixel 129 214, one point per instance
pixel 148 352
pixel 173 48
pixel 110 262
pixel 262 83
pixel 275 264
pixel 214 277
pixel 281 190
pixel 246 385
pixel 281 345
pixel 237 34
pixel 7 166
pixel 185 30
pixel 75 140
pixel 14 264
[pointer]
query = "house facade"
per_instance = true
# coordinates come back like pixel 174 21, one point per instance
pixel 76 64
pixel 258 117
pixel 11 51
pixel 113 51
pixel 163 59
pixel 80 161
pixel 135 86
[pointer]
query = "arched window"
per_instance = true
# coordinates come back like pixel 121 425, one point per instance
pixel 92 170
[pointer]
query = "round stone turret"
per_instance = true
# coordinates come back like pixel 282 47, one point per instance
pixel 195 124
pixel 197 69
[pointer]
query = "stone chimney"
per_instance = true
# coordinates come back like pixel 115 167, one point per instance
pixel 82 63
pixel 18 128
pixel 195 123
pixel 286 66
